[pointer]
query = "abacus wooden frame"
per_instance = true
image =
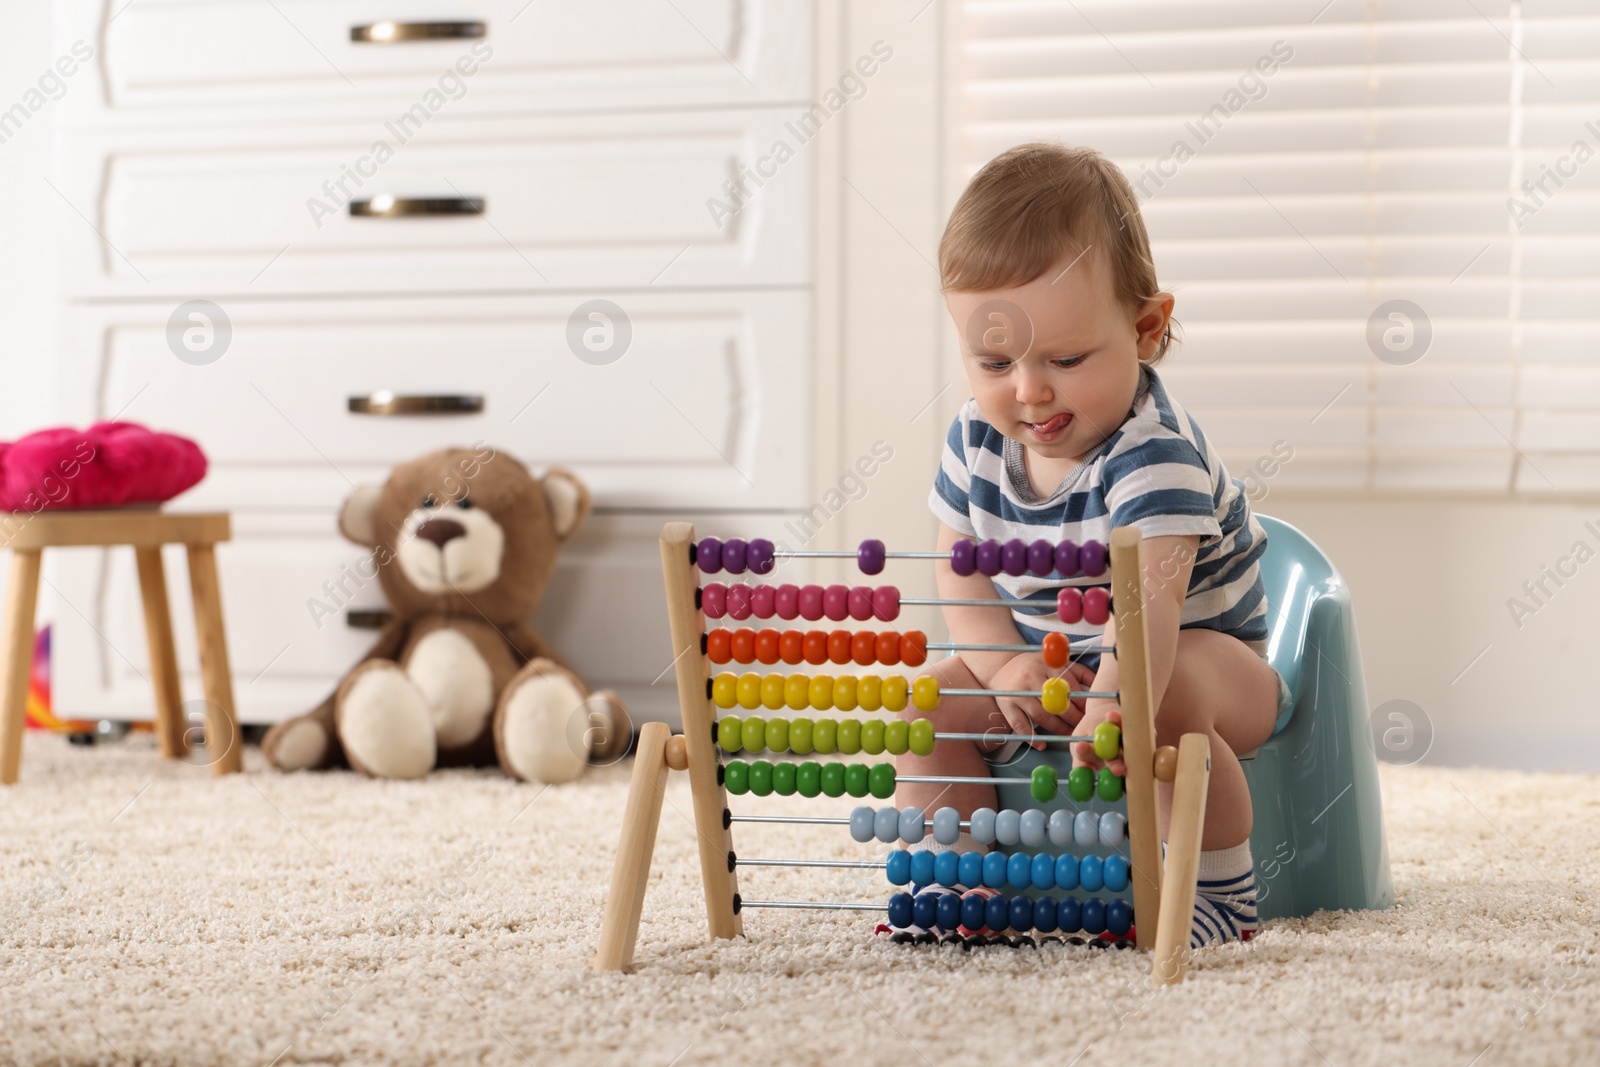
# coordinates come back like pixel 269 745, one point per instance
pixel 1163 905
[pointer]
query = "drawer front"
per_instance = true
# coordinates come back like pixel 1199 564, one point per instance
pixel 171 60
pixel 561 204
pixel 282 575
pixel 706 408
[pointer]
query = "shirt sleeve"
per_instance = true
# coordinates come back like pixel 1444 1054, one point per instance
pixel 948 499
pixel 1163 486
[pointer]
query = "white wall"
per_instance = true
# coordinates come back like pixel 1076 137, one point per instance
pixel 30 216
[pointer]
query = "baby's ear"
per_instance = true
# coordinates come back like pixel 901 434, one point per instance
pixel 357 517
pixel 568 498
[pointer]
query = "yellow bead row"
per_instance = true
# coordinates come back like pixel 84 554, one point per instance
pixel 797 692
pixel 825 736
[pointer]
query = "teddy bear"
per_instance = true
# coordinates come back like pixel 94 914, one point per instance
pixel 463 543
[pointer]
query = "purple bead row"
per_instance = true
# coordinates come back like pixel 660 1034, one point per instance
pixel 1018 557
pixel 734 555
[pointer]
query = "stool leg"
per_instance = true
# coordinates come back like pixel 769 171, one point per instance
pixel 163 656
pixel 222 725
pixel 16 645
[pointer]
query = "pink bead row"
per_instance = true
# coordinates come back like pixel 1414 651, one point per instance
pixel 1092 604
pixel 837 602
pixel 861 602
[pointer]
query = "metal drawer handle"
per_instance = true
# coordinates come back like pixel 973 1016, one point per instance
pixel 387 32
pixel 383 402
pixel 385 206
pixel 368 620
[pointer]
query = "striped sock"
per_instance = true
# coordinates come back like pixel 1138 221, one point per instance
pixel 1225 898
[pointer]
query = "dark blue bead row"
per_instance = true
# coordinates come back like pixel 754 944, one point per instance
pixel 946 911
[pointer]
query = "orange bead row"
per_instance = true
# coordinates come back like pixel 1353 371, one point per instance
pixel 863 647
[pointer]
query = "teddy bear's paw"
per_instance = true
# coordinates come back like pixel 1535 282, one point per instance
pixel 296 744
pixel 457 683
pixel 543 725
pixel 385 723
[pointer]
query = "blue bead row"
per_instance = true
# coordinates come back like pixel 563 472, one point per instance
pixel 947 911
pixel 1019 870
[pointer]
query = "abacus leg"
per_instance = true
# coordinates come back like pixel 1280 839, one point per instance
pixel 1183 860
pixel 619 929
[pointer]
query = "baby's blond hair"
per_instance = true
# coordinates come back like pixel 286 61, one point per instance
pixel 1033 203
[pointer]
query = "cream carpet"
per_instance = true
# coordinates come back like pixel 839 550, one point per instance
pixel 153 915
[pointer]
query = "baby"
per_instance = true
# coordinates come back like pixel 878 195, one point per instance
pixel 1070 432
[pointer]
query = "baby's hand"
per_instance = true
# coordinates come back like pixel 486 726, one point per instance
pixel 1081 679
pixel 1026 715
pixel 1099 711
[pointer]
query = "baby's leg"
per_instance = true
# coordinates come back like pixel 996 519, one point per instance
pixel 1222 689
pixel 956 758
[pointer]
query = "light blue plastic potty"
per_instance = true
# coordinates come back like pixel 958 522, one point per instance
pixel 1318 838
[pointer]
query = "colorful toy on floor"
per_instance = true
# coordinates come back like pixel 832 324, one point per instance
pixel 1096 869
pixel 39 714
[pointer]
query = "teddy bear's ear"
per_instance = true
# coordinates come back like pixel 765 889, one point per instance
pixel 357 516
pixel 568 498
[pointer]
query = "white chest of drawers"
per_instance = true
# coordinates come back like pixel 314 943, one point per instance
pixel 224 150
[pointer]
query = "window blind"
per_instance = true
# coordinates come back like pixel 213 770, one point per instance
pixel 1381 218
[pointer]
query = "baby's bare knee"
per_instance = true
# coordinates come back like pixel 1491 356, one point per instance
pixel 1178 714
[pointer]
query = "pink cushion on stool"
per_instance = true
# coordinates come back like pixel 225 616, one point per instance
pixel 111 464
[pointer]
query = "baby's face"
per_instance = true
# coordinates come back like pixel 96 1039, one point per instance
pixel 1054 363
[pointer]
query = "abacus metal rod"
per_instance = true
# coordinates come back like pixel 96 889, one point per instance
pixel 823 905
pixel 1086 694
pixel 950 779
pixel 870 864
pixel 779 553
pixel 1059 739
pixel 983 603
pixel 952 646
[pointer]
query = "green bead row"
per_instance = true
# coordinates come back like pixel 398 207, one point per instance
pixel 1082 784
pixel 825 736
pixel 809 779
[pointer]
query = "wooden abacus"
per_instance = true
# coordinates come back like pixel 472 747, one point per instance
pixel 1162 898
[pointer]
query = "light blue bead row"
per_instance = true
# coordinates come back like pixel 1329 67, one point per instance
pixel 1018 870
pixel 1008 828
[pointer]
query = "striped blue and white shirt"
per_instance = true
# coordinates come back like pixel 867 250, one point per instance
pixel 1156 472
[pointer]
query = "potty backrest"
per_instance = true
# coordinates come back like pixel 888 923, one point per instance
pixel 1296 573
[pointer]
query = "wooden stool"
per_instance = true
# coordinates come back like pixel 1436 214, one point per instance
pixel 146 531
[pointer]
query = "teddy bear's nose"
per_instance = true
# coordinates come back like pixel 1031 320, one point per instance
pixel 441 530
